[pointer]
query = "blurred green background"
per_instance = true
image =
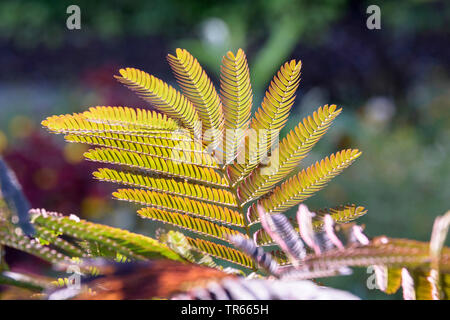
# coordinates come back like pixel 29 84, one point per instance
pixel 393 83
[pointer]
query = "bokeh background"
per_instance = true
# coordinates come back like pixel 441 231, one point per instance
pixel 393 83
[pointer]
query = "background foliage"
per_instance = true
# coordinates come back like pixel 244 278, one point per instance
pixel 393 84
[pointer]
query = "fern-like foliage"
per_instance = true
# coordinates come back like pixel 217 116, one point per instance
pixel 198 88
pixel 67 242
pixel 61 240
pixel 128 244
pixel 200 162
pixel 270 118
pixel 421 269
pixel 305 255
pixel 164 97
pixel 291 151
pixel 237 99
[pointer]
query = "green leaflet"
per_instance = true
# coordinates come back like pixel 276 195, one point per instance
pixel 129 244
